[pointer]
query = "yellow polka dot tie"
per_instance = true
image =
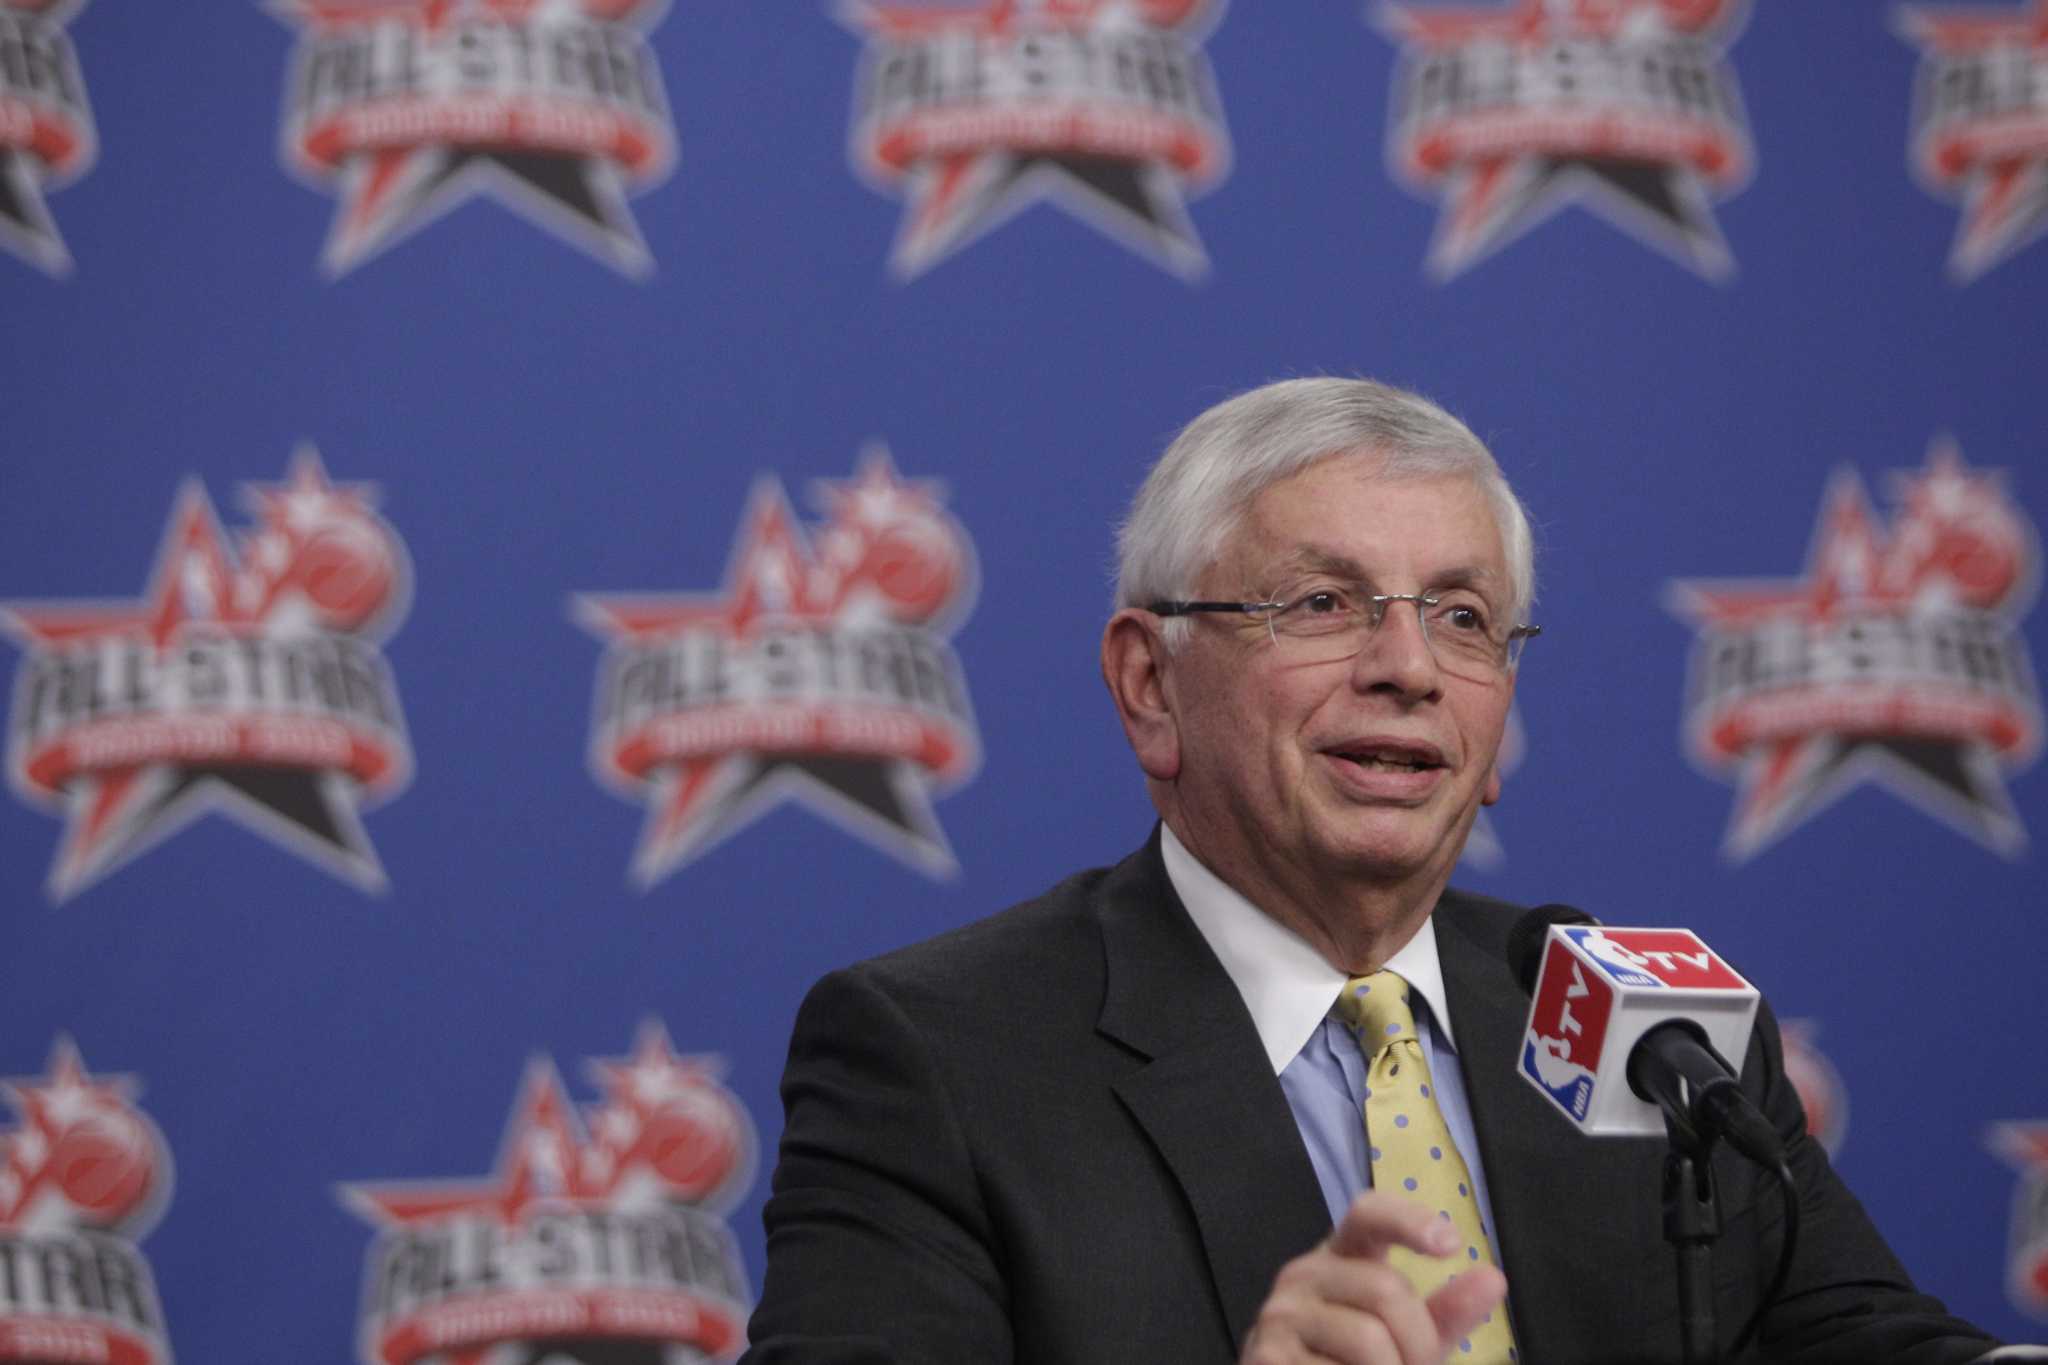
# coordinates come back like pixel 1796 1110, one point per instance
pixel 1411 1150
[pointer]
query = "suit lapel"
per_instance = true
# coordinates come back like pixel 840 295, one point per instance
pixel 1206 1095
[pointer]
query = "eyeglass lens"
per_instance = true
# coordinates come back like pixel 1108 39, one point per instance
pixel 1329 626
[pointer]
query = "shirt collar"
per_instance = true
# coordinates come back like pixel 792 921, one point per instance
pixel 1286 984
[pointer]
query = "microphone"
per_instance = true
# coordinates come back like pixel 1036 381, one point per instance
pixel 1629 1026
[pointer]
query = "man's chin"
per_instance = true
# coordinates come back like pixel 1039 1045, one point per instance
pixel 1390 856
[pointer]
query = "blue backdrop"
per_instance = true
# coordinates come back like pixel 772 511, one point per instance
pixel 351 826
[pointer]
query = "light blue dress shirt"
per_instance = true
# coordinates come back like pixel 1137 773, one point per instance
pixel 1289 990
pixel 1325 1087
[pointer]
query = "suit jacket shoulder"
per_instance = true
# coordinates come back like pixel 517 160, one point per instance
pixel 1048 1136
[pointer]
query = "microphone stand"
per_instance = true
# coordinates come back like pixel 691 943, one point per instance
pixel 1674 1067
pixel 1692 1222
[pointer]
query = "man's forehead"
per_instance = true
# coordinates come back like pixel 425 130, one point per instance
pixel 1283 531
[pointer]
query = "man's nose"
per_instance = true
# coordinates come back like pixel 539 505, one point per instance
pixel 1397 654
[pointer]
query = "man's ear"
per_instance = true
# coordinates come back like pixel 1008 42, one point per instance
pixel 1491 792
pixel 1134 663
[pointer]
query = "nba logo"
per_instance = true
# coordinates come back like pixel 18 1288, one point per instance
pixel 1567 1029
pixel 1618 962
pixel 1655 959
pixel 1598 992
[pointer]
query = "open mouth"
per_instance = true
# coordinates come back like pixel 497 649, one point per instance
pixel 1390 758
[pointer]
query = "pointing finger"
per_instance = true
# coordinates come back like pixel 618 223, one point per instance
pixel 1377 1220
pixel 1471 1298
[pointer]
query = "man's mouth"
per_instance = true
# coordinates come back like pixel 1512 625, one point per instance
pixel 1397 758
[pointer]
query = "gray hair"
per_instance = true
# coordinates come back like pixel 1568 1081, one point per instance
pixel 1197 493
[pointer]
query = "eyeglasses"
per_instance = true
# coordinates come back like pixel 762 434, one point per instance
pixel 1327 623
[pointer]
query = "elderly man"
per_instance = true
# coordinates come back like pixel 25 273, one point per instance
pixel 1249 1094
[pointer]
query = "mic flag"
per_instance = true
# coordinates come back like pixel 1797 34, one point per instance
pixel 1598 991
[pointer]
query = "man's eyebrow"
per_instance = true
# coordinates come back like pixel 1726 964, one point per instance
pixel 1318 559
pixel 1465 576
pixel 1315 559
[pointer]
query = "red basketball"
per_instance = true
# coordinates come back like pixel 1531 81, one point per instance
pixel 346 573
pixel 693 1145
pixel 104 1166
pixel 1983 558
pixel 916 569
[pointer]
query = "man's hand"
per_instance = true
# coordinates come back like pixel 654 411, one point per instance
pixel 1343 1303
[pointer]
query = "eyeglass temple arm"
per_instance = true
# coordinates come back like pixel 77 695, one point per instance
pixel 1185 608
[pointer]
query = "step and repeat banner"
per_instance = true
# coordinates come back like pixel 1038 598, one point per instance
pixel 533 529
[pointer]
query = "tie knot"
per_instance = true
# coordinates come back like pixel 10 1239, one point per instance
pixel 1376 1008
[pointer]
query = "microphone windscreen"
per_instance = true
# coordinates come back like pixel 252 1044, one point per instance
pixel 1526 939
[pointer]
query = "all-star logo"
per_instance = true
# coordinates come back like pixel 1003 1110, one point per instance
pixel 247 679
pixel 974 111
pixel 1980 125
pixel 408 108
pixel 1819 1085
pixel 1508 113
pixel 46 129
pixel 1895 659
pixel 2025 1145
pixel 823 676
pixel 598 1240
pixel 82 1178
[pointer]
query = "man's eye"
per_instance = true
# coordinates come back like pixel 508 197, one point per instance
pixel 1323 603
pixel 1465 618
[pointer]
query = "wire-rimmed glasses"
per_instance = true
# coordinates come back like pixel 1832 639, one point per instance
pixel 1329 622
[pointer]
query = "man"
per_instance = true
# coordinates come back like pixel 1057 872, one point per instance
pixel 1144 1118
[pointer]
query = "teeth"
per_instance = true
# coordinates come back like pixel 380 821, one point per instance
pixel 1391 764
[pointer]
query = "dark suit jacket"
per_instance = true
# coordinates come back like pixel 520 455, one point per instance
pixel 1053 1136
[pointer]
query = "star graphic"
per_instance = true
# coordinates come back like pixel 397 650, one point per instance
pixel 775 578
pixel 2025 1145
pixel 66 1093
pixel 115 813
pixel 537 1163
pixel 961 191
pixel 502 140
pixel 387 196
pixel 1856 573
pixel 129 1185
pixel 545 1158
pixel 956 199
pixel 652 1077
pixel 548 1155
pixel 26 226
pixel 1996 161
pixel 1662 193
pixel 634 1170
pixel 58 143
pixel 668 1130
